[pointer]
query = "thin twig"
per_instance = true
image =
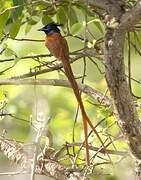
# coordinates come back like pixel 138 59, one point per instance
pixel 37 142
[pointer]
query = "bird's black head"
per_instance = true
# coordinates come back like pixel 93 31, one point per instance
pixel 51 28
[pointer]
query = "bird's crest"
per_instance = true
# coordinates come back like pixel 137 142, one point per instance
pixel 51 28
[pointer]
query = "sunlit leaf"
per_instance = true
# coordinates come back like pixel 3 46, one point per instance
pixel 73 17
pixel 46 19
pixel 77 28
pixel 43 5
pixel 8 4
pixel 28 28
pixel 61 15
pixel 8 52
pixel 15 28
pixel 98 24
pixel 34 20
pixel 3 19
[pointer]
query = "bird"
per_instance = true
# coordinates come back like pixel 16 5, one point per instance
pixel 58 47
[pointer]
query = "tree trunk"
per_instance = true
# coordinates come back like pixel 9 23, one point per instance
pixel 127 117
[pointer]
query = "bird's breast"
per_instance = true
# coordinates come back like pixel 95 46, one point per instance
pixel 57 45
pixel 52 38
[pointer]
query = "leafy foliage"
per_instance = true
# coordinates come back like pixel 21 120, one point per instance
pixel 21 53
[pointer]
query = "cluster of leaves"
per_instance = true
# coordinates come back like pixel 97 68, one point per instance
pixel 11 17
pixel 15 13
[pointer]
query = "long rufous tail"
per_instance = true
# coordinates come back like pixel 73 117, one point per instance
pixel 86 120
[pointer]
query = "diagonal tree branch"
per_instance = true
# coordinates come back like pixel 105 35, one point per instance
pixel 131 18
pixel 51 69
pixel 104 100
pixel 113 7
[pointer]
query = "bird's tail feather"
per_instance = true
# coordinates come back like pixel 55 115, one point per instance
pixel 86 120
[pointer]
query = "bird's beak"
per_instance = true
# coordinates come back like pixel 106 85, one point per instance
pixel 40 29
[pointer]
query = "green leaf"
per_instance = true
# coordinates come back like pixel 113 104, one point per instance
pixel 46 19
pixel 8 52
pixel 98 24
pixel 18 11
pixel 44 5
pixel 3 19
pixel 15 28
pixel 28 28
pixel 9 21
pixel 34 20
pixel 61 16
pixel 73 17
pixel 77 28
pixel 51 10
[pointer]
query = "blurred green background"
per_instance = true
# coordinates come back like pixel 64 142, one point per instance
pixel 29 102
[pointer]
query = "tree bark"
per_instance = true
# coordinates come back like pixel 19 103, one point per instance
pixel 127 117
pixel 116 80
